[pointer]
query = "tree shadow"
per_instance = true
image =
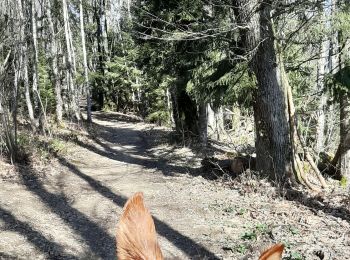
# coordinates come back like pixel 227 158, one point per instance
pixel 143 146
pixel 7 256
pixel 149 161
pixel 116 116
pixel 98 240
pixel 314 204
pixel 132 156
pixel 95 236
pixel 182 242
pixel 50 248
pixel 168 136
pixel 317 204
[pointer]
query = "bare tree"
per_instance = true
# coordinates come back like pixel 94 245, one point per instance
pixel 323 67
pixel 86 76
pixel 54 63
pixel 23 63
pixel 70 64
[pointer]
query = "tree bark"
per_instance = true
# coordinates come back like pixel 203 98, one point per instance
pixel 203 124
pixel 322 68
pixel 24 65
pixel 8 133
pixel 344 146
pixel 86 76
pixel 101 47
pixel 344 159
pixel 38 106
pixel 169 107
pixel 103 24
pixel 273 146
pixel 36 58
pixel 342 156
pixel 215 122
pixel 70 65
pixel 343 152
pixel 184 108
pixel 54 64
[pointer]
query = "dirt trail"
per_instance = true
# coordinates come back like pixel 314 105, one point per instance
pixel 71 212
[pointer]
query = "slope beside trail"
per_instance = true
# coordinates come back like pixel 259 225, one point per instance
pixel 69 210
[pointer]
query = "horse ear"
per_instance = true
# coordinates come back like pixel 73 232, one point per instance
pixel 273 253
pixel 136 233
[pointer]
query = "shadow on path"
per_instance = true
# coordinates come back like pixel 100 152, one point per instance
pixel 50 248
pixel 130 156
pixel 98 240
pixel 94 236
pixel 182 242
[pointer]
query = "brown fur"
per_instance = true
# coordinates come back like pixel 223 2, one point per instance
pixel 137 237
pixel 273 253
pixel 136 233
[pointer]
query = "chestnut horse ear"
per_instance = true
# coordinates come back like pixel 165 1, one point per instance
pixel 136 233
pixel 273 253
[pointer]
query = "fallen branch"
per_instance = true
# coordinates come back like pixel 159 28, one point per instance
pixel 316 170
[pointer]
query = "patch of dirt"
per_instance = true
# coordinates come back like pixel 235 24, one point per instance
pixel 69 208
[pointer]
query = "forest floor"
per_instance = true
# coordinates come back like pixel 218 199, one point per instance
pixel 68 208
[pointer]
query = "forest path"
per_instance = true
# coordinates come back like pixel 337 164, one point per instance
pixel 70 211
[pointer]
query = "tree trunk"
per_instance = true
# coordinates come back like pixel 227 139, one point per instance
pixel 24 65
pixel 54 64
pixel 36 58
pixel 344 146
pixel 342 156
pixel 103 24
pixel 215 122
pixel 8 132
pixel 86 76
pixel 211 120
pixel 273 146
pixel 344 159
pixel 10 141
pixel 323 67
pixel 26 87
pixel 184 108
pixel 70 65
pixel 219 123
pixel 36 93
pixel 169 107
pixel 101 48
pixel 203 124
pixel 14 104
